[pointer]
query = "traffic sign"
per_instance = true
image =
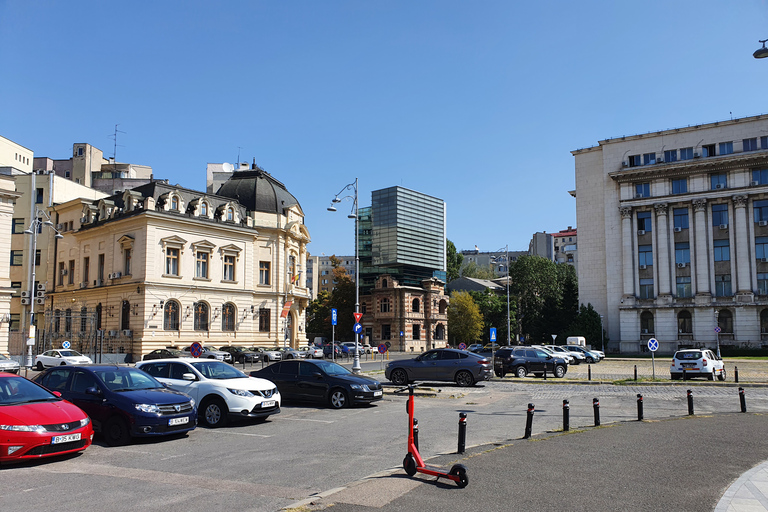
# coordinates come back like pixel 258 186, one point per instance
pixel 382 348
pixel 653 345
pixel 357 328
pixel 66 344
pixel 401 334
pixel 334 316
pixel 358 316
pixel 462 346
pixel 196 349
pixel 387 344
pixel 717 329
pixel 493 334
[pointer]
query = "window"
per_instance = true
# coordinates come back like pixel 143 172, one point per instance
pixel 386 332
pixel 16 284
pixel 761 210
pixel 749 144
pixel 229 268
pixel 719 214
pixel 708 150
pixel 15 322
pixel 681 218
pixel 644 221
pixel 722 250
pixel 264 316
pixel 83 319
pixel 125 315
pixel 39 196
pixel 764 142
pixel 415 306
pixel 203 209
pixel 86 268
pixel 725 321
pixel 718 181
pixel 71 273
pixel 228 317
pixel 201 316
pixel 686 154
pixel 682 253
pixel 62 272
pixel 645 255
pixel 685 323
pixel 649 158
pixel 101 268
pixel 171 316
pixel 175 203
pixel 761 247
pixel 684 286
pixel 646 289
pixel 172 261
pixel 723 285
pixel 634 160
pixel 127 255
pixel 764 321
pixel 646 322
pixel 230 214
pixel 17 226
pixel 201 267
pixel 384 305
pixel 17 258
pixel 680 186
pixel 670 155
pixel 416 332
pixel 37 257
pixel 760 177
pixel 726 148
pixel 762 284
pixel 642 190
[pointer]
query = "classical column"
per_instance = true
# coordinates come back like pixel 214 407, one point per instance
pixel 628 261
pixel 662 248
pixel 743 275
pixel 700 239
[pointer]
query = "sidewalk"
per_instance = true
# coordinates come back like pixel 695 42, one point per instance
pixel 747 494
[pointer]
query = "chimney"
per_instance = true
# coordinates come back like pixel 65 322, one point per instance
pixel 254 163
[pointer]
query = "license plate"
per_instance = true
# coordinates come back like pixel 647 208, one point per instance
pixel 689 365
pixel 268 403
pixel 377 393
pixel 178 421
pixel 65 439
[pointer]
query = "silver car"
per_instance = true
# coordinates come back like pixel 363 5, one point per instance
pixel 11 366
pixel 312 352
pixel 210 353
pixel 268 354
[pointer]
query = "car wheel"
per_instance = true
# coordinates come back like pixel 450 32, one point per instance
pixel 460 471
pixel 214 412
pixel 559 371
pixel 711 376
pixel 338 399
pixel 266 359
pixel 464 378
pixel 39 366
pixel 590 360
pixel 521 372
pixel 115 432
pixel 399 377
pixel 409 465
pixel 721 377
pixel 289 356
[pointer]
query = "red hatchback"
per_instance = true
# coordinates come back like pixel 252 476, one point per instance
pixel 36 423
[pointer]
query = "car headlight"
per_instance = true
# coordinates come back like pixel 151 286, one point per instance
pixel 148 408
pixel 192 402
pixel 85 421
pixel 241 392
pixel 360 387
pixel 24 428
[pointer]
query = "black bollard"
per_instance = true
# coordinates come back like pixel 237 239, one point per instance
pixel 416 433
pixel 566 416
pixel 690 403
pixel 545 371
pixel 743 400
pixel 685 376
pixel 736 373
pixel 639 407
pixel 462 432
pixel 589 372
pixel 635 373
pixel 596 407
pixel 529 421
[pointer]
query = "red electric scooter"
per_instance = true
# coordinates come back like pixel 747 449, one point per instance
pixel 413 463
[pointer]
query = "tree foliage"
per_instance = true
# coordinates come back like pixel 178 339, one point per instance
pixel 472 269
pixel 533 280
pixel 342 298
pixel 455 259
pixel 587 324
pixel 493 308
pixel 465 323
pixel 319 315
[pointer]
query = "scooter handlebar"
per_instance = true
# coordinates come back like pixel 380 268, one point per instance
pixel 409 387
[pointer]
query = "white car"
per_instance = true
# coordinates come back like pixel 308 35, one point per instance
pixel 563 355
pixel 697 363
pixel 222 391
pixel 578 357
pixel 8 365
pixel 60 357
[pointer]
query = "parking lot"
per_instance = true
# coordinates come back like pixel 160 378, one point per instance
pixel 307 451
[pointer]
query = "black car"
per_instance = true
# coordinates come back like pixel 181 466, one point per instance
pixel 122 402
pixel 164 353
pixel 321 381
pixel 524 360
pixel 328 350
pixel 241 354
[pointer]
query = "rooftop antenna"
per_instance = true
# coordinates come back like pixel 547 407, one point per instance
pixel 238 156
pixel 114 138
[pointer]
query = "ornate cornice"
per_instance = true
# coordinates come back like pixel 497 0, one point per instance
pixel 661 208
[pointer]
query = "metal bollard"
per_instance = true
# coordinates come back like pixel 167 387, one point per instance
pixel 736 374
pixel 743 400
pixel 529 421
pixel 596 407
pixel 690 403
pixel 416 433
pixel 462 432
pixel 566 416
pixel 685 376
pixel 635 373
pixel 639 407
pixel 589 372
pixel 545 371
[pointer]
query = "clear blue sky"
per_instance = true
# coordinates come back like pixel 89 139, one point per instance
pixel 478 103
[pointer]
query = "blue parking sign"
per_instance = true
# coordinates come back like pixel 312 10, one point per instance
pixel 333 316
pixel 493 334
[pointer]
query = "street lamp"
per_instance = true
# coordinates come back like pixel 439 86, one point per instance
pixel 506 250
pixel 352 215
pixel 717 331
pixel 602 337
pixel 761 53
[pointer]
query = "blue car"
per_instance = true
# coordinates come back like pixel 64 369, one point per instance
pixel 122 402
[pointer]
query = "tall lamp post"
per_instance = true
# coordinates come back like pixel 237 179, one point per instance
pixel 506 251
pixel 602 337
pixel 353 215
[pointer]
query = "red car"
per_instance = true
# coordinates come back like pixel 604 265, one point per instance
pixel 36 423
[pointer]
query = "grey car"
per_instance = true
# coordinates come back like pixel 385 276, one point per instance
pixel 8 365
pixel 442 364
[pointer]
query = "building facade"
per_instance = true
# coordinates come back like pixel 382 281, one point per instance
pixel 320 272
pixel 673 228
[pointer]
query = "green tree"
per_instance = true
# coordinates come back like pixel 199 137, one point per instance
pixel 455 259
pixel 533 281
pixel 343 299
pixel 465 323
pixel 587 324
pixel 493 309
pixel 472 269
pixel 319 315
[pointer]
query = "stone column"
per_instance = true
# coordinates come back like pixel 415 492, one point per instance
pixel 662 248
pixel 702 262
pixel 743 274
pixel 628 261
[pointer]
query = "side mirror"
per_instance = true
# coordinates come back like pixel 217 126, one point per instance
pixel 318 375
pixel 549 357
pixel 189 376
pixel 93 391
pixel 57 393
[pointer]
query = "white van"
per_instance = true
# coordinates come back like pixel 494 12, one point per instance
pixel 581 341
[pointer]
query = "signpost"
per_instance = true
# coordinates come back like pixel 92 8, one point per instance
pixel 334 317
pixel 653 346
pixel 66 344
pixel 462 346
pixel 196 349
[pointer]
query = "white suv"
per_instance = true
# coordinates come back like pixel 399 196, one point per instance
pixel 697 363
pixel 222 391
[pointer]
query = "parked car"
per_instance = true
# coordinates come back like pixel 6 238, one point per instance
pixel 441 364
pixel 589 356
pixel 241 354
pixel 313 352
pixel 209 353
pixel 122 402
pixel 164 353
pixel 578 357
pixel 37 423
pixel 221 391
pixel 268 354
pixel 321 381
pixel 568 358
pixel 521 361
pixel 60 357
pixel 350 346
pixel 697 363
pixel 9 365
pixel 475 346
pixel 288 352
pixel 328 350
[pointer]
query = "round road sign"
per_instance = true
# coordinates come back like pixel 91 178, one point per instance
pixel 653 345
pixel 462 346
pixel 66 344
pixel 382 348
pixel 196 349
pixel 717 329
pixel 357 328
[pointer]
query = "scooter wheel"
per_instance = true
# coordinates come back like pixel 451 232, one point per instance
pixel 460 471
pixel 409 465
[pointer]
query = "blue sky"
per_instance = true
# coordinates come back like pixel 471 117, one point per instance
pixel 477 103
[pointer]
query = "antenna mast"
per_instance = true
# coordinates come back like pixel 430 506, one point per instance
pixel 114 151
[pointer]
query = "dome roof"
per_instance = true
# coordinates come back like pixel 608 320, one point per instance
pixel 258 191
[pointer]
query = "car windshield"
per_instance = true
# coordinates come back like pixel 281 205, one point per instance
pixel 69 353
pixel 218 370
pixel 2 357
pixel 332 368
pixel 18 391
pixel 126 379
pixel 688 355
pixel 174 352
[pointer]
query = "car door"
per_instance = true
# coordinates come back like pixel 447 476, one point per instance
pixel 447 365
pixel 310 385
pixel 49 358
pixel 425 366
pixel 286 375
pixel 56 380
pixel 535 365
pixel 177 382
pixel 546 360
pixel 95 406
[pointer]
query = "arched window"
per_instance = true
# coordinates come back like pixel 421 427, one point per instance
pixel 68 322
pixel 685 323
pixel 646 322
pixel 203 209
pixel 228 317
pixel 725 321
pixel 764 321
pixel 230 214
pixel 443 306
pixel 174 203
pixel 171 316
pixel 83 319
pixel 201 316
pixel 125 315
pixel 415 305
pixel 57 320
pixel 440 332
pixel 383 283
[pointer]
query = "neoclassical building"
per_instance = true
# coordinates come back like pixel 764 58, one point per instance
pixel 673 235
pixel 160 265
